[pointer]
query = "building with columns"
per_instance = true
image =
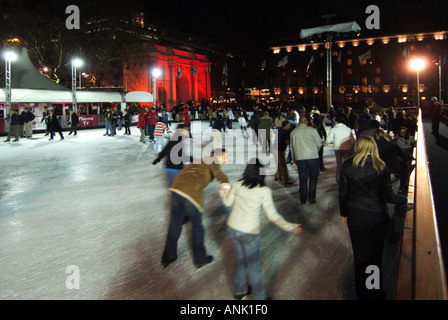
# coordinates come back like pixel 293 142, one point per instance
pixel 185 75
pixel 185 61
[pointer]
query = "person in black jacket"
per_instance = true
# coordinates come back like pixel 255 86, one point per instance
pixel 28 117
pixel 364 191
pixel 73 120
pixel 54 126
pixel 13 119
pixel 254 123
pixel 174 160
pixel 319 125
pixel 218 127
pixel 395 158
pixel 127 120
pixel 282 144
pixel 45 115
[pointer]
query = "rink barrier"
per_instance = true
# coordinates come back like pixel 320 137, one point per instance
pixel 421 273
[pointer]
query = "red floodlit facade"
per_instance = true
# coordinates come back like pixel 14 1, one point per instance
pixel 185 75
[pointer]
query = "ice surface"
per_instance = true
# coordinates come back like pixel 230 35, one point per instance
pixel 97 203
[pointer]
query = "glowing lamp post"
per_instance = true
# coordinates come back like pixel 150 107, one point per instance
pixel 417 65
pixel 9 56
pixel 75 63
pixel 156 72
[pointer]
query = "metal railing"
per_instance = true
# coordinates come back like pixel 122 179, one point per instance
pixel 421 274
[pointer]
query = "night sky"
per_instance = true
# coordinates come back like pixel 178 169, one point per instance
pixel 248 25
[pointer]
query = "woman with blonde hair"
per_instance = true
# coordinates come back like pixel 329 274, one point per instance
pixel 364 191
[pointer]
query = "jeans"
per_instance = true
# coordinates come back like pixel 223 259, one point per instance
pixel 108 128
pixel 142 135
pixel 160 143
pixel 308 174
pixel 180 207
pixel 171 175
pixel 114 128
pixel 247 248
pixel 151 128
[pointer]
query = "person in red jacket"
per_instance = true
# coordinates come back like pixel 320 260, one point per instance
pixel 435 111
pixel 141 124
pixel 151 121
pixel 187 120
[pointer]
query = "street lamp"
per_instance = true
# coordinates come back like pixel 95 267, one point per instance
pixel 75 63
pixel 9 56
pixel 417 64
pixel 156 72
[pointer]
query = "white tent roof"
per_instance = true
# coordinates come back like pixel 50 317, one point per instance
pixel 98 96
pixel 38 95
pixel 138 96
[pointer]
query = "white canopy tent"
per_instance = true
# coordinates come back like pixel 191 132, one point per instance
pixel 36 95
pixel 328 32
pixel 332 28
pixel 138 96
pixel 60 96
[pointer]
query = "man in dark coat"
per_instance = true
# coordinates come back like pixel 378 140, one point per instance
pixel 54 126
pixel 28 117
pixel 73 120
pixel 435 111
pixel 13 119
pixel 45 115
pixel 282 144
pixel 254 123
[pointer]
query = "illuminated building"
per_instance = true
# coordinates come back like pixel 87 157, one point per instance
pixel 385 77
pixel 186 61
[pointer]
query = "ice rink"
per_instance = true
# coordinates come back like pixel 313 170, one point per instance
pixel 94 208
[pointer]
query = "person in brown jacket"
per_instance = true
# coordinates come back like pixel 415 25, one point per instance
pixel 187 200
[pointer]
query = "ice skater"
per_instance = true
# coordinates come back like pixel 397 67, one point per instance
pixel 172 164
pixel 247 196
pixel 159 131
pixel 243 126
pixel 54 126
pixel 187 199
